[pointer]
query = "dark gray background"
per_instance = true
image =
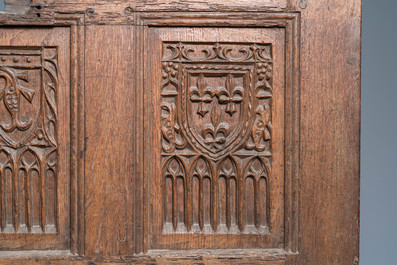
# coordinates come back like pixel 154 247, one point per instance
pixel 378 133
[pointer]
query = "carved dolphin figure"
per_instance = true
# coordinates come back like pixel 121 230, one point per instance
pixel 11 93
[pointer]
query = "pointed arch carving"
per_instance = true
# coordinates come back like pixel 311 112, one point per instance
pixel 256 207
pixel 201 205
pixel 227 195
pixel 175 195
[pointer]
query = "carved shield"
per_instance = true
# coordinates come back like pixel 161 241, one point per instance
pixel 216 107
pixel 20 104
pixel 28 98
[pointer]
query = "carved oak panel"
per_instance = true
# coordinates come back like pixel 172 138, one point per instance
pixel 216 116
pixel 220 99
pixel 33 140
pixel 186 161
pixel 28 147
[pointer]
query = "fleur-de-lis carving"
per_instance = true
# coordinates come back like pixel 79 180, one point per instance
pixel 11 93
pixel 202 94
pixel 230 95
pixel 254 49
pixel 261 129
pixel 215 133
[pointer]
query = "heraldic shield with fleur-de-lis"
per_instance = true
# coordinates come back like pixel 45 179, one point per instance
pixel 217 97
pixel 218 110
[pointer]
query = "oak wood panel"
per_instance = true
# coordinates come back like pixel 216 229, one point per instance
pixel 109 139
pixel 181 207
pixel 330 132
pixel 329 182
pixel 291 23
pixel 35 70
pixel 73 24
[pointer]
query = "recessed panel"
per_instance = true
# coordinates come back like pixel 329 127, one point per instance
pixel 34 115
pixel 218 98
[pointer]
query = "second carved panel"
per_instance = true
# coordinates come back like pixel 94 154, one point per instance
pixel 218 157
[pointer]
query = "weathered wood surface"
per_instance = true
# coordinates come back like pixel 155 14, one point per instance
pixel 166 5
pixel 330 132
pixel 242 256
pixel 109 139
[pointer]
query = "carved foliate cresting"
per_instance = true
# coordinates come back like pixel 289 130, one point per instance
pixel 216 101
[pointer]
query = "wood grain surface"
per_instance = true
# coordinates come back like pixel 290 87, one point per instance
pixel 206 132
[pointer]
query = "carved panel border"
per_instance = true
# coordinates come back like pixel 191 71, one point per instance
pixel 76 24
pixel 290 22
